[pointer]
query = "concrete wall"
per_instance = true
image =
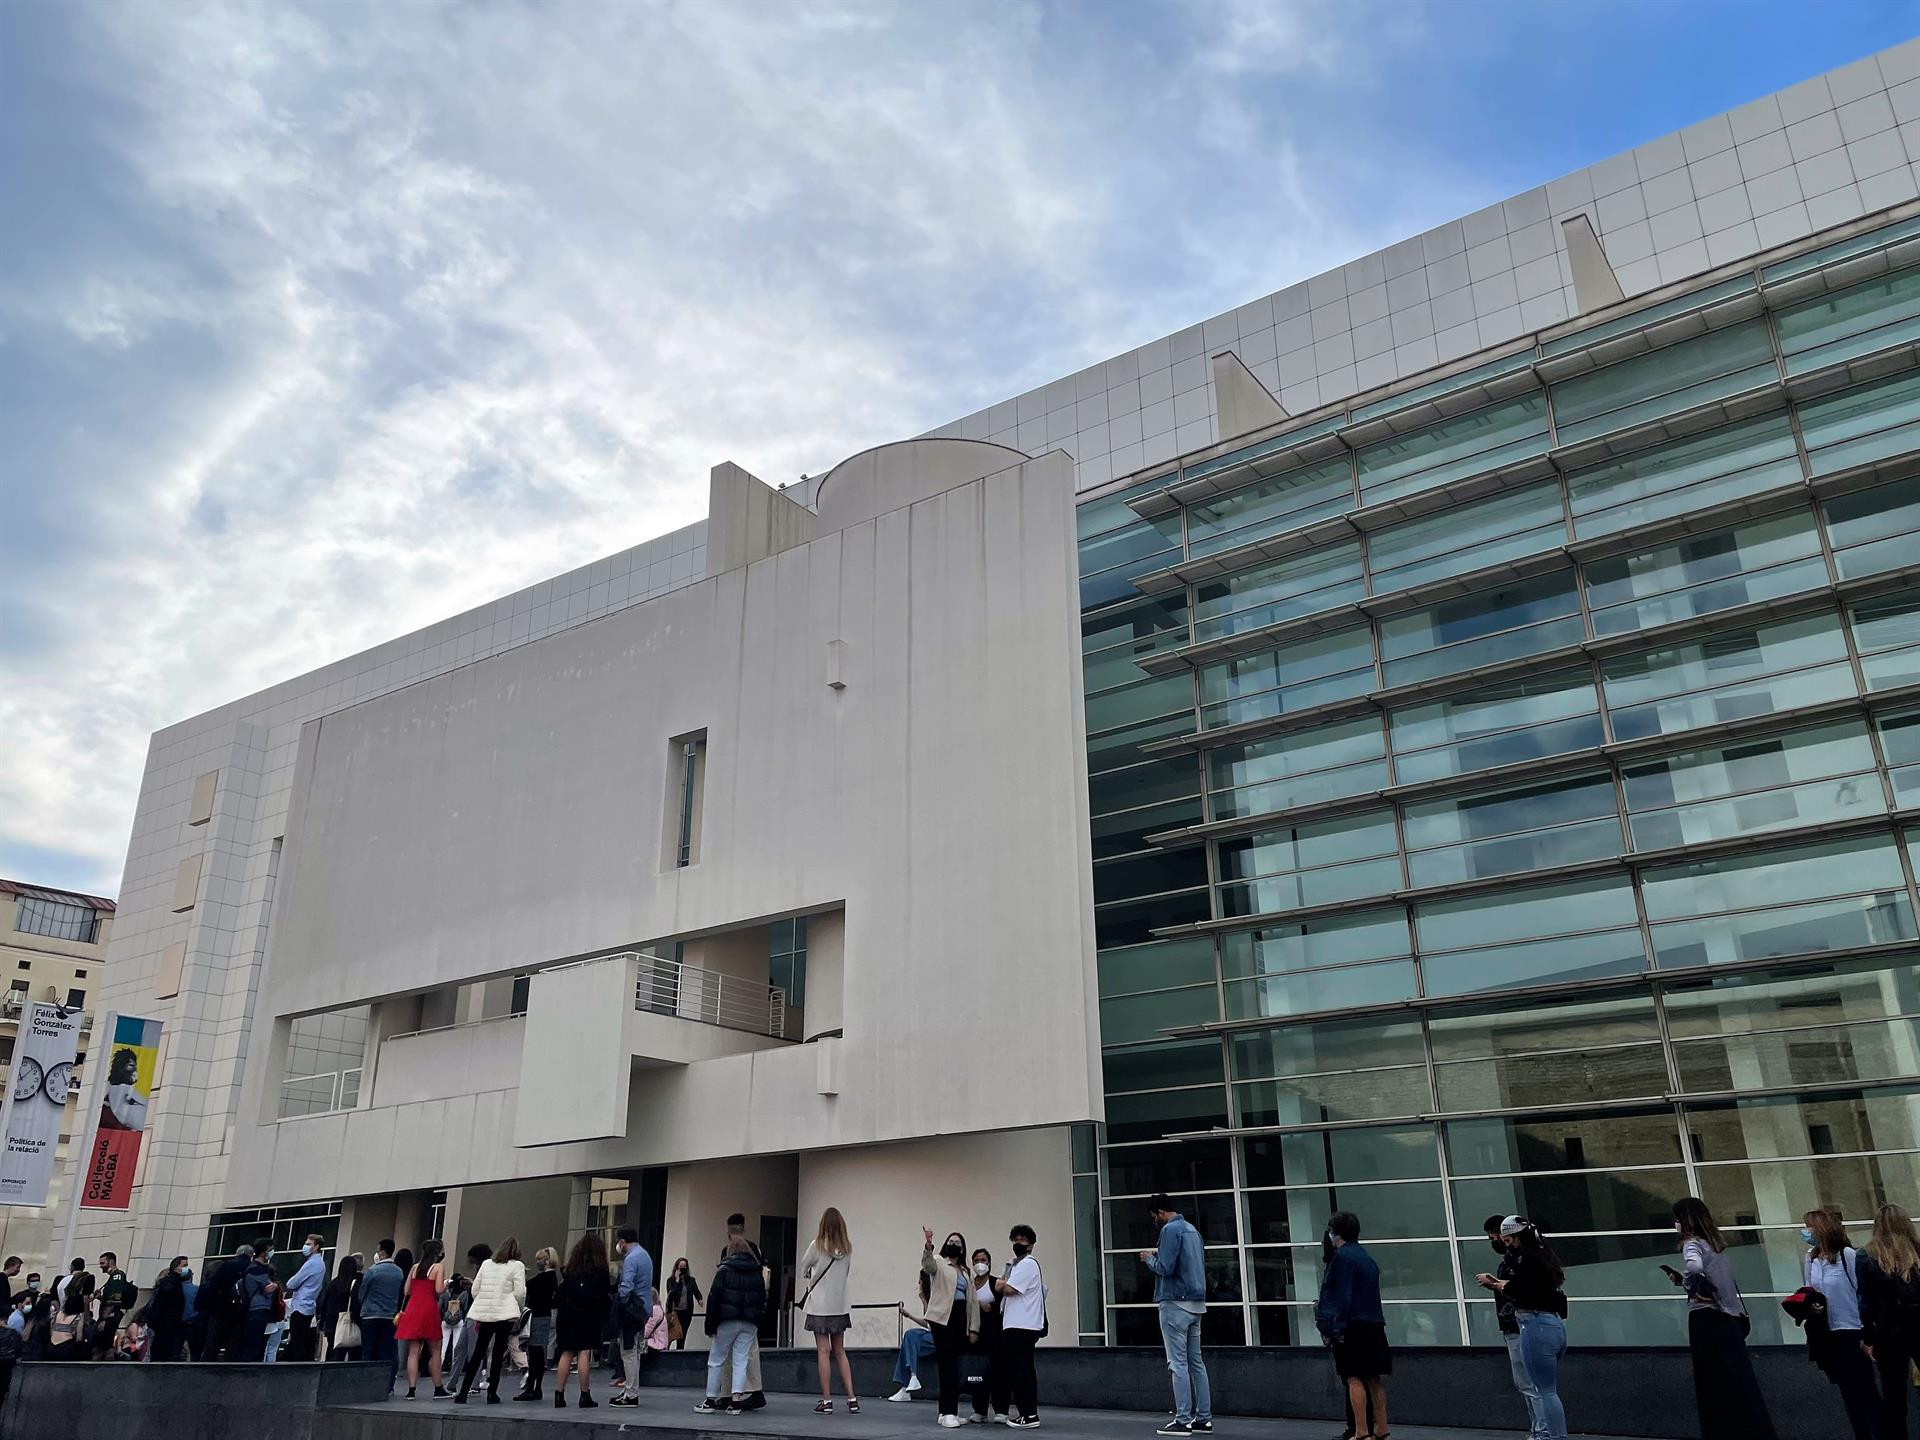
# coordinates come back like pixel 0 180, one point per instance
pixel 699 1199
pixel 980 1185
pixel 504 817
pixel 534 1212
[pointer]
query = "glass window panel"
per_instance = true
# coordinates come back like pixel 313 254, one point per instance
pixel 1846 323
pixel 1900 739
pixel 1325 886
pixel 1325 1045
pixel 1131 1283
pixel 1129 543
pixel 1278 590
pixel 1699 574
pixel 1153 873
pixel 1333 1099
pixel 1333 940
pixel 1483 628
pixel 1111 512
pixel 1840 250
pixel 1467 537
pixel 1159 966
pixel 1463 445
pixel 1323 1157
pixel 1867 423
pixel 1166 694
pixel 1296 753
pixel 1409 1270
pixel 1600 1049
pixel 1692 474
pixel 1126 833
pixel 1800 1126
pixel 1179 1168
pixel 1638 319
pixel 1887 631
pixel 1307 846
pixel 1528 827
pixel 1287 678
pixel 1804 929
pixel 1761 784
pixel 1169 1063
pixel 1292 791
pixel 1536 1144
pixel 1595 1265
pixel 1505 365
pixel 1107 587
pixel 1536 912
pixel 1664 382
pixel 1780 1192
pixel 1772 877
pixel 1130 1226
pixel 1133 922
pixel 1311 991
pixel 1387 1212
pixel 1523 718
pixel 1874 530
pixel 1591 1200
pixel 1146 623
pixel 1270 507
pixel 1168 1112
pixel 1727 676
pixel 1797 1051
pixel 1609 1322
pixel 1152 783
pixel 1108 669
pixel 1563 959
pixel 1122 747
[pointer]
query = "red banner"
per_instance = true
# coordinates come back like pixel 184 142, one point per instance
pixel 109 1182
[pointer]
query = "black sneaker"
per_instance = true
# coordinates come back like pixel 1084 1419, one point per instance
pixel 707 1407
pixel 1024 1422
pixel 624 1400
pixel 1201 1427
pixel 756 1401
pixel 587 1402
pixel 1175 1427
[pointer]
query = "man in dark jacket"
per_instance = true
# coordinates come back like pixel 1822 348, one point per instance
pixel 736 1303
pixel 260 1289
pixel 224 1306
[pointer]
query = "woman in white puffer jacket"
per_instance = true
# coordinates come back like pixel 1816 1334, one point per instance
pixel 499 1299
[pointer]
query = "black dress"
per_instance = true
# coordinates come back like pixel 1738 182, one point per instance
pixel 580 1310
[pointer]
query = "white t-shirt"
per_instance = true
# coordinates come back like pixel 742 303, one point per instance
pixel 1027 1310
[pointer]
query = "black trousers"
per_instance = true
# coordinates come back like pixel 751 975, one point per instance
pixel 1849 1368
pixel 536 1369
pixel 949 1343
pixel 996 1389
pixel 226 1337
pixel 300 1336
pixel 1723 1385
pixel 1017 1347
pixel 167 1340
pixel 484 1331
pixel 1892 1355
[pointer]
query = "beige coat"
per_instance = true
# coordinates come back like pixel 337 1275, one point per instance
pixel 945 1280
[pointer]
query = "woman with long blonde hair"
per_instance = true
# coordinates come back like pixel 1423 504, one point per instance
pixel 1890 1309
pixel 823 1271
pixel 543 1290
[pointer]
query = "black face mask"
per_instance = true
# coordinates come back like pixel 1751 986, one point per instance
pixel 1022 1249
pixel 1498 1248
pixel 953 1253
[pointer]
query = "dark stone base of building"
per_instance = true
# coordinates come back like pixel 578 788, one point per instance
pixel 1614 1392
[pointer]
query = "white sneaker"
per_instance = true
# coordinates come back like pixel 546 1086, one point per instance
pixel 913 1383
pixel 951 1422
pixel 902 1395
pixel 999 1417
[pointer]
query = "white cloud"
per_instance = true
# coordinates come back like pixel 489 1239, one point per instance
pixel 391 310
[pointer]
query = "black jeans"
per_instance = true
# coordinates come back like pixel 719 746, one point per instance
pixel 1892 1355
pixel 1849 1368
pixel 498 1332
pixel 1017 1347
pixel 536 1369
pixel 166 1343
pixel 996 1388
pixel 300 1336
pixel 949 1343
pixel 686 1324
pixel 1723 1385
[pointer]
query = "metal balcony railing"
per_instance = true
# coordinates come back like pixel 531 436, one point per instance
pixel 672 987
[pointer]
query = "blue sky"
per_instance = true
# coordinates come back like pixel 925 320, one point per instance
pixel 318 323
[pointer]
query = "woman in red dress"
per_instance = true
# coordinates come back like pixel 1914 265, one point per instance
pixel 419 1327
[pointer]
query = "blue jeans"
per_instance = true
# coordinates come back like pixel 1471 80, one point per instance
pixel 731 1342
pixel 1192 1396
pixel 1523 1383
pixel 1543 1340
pixel 915 1346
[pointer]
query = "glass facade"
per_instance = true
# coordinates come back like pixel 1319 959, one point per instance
pixel 1546 843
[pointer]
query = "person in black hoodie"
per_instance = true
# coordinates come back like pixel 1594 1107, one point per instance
pixel 736 1303
pixel 224 1305
pixel 167 1311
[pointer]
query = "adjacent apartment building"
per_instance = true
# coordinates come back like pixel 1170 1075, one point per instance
pixel 1483 780
pixel 53 949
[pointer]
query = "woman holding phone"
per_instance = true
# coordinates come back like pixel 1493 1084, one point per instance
pixel 1530 1281
pixel 1723 1385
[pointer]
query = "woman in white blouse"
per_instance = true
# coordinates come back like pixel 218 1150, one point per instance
pixel 823 1299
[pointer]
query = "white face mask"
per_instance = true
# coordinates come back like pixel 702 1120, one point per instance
pixel 979 1267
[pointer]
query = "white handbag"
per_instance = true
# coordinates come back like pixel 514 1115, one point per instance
pixel 346 1334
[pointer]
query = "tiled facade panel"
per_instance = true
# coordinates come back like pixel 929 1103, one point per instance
pixel 1828 150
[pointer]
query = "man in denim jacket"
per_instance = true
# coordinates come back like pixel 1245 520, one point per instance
pixel 1180 1290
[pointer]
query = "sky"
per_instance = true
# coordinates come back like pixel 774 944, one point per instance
pixel 319 323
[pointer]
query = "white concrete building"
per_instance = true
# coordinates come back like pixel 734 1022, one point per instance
pixel 691 881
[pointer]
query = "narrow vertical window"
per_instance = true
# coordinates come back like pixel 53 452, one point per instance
pixel 689 776
pixel 685 788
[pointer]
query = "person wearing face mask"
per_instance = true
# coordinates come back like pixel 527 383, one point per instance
pixel 953 1314
pixel 303 1299
pixel 1349 1316
pixel 1832 1266
pixel 1724 1387
pixel 1509 1325
pixel 1023 1320
pixel 989 1361
pixel 167 1311
pixel 1180 1293
pixel 1532 1284
pixel 39 1312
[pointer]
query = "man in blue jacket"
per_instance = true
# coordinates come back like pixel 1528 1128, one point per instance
pixel 634 1303
pixel 1180 1289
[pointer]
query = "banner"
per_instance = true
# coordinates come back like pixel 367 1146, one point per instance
pixel 42 1075
pixel 131 1056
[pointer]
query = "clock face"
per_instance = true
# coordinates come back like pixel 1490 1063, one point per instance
pixel 59 1081
pixel 26 1084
